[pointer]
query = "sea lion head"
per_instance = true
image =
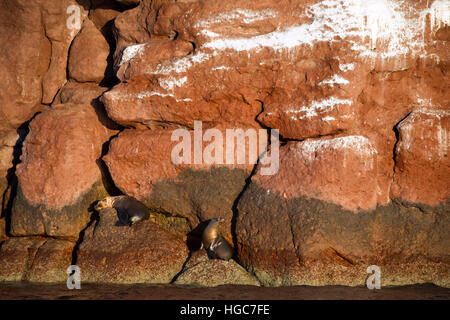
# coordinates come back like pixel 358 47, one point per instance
pixel 105 203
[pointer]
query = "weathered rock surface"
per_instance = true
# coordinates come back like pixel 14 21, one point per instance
pixel 143 253
pixel 422 162
pixel 24 65
pixel 16 257
pixel 79 93
pixel 51 261
pixel 103 12
pixel 58 176
pixel 35 259
pixel 341 170
pixel 3 235
pixel 141 166
pixel 302 240
pixel 8 140
pixel 357 89
pixel 88 55
pixel 201 271
pixel 62 21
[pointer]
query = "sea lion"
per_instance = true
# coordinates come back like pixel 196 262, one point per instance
pixel 129 209
pixel 214 243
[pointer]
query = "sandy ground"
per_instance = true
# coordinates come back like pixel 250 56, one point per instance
pixel 227 292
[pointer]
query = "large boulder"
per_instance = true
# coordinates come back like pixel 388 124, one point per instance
pixel 51 261
pixel 222 60
pixel 35 259
pixel 317 222
pixel 143 253
pixel 88 55
pixel 203 272
pixel 59 177
pixel 25 56
pixel 62 22
pixel 422 162
pixel 141 165
pixel 16 257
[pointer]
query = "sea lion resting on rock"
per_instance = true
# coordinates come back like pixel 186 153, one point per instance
pixel 129 209
pixel 214 243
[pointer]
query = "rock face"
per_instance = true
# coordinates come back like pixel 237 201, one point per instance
pixel 341 170
pixel 16 257
pixel 357 90
pixel 143 253
pixel 35 259
pixel 7 141
pixel 88 55
pixel 51 262
pixel 3 235
pixel 62 23
pixel 58 176
pixel 23 66
pixel 200 271
pixel 141 166
pixel 288 238
pixel 422 170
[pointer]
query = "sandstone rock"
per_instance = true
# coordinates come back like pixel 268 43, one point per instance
pixel 3 235
pixel 152 54
pixel 129 29
pixel 88 55
pixel 143 253
pixel 7 142
pixel 422 164
pixel 141 166
pixel 201 271
pixel 24 65
pixel 51 262
pixel 297 227
pixel 79 93
pixel 35 259
pixel 312 242
pixel 60 24
pixel 58 176
pixel 103 13
pixel 341 170
pixel 16 257
pixel 254 53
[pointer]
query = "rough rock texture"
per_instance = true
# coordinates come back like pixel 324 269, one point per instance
pixel 3 235
pixel 141 166
pixel 347 70
pixel 24 65
pixel 56 20
pixel 79 93
pixel 341 170
pixel 88 55
pixel 301 240
pixel 103 12
pixel 35 259
pixel 359 91
pixel 143 253
pixel 16 257
pixel 7 142
pixel 201 271
pixel 422 166
pixel 51 261
pixel 58 176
